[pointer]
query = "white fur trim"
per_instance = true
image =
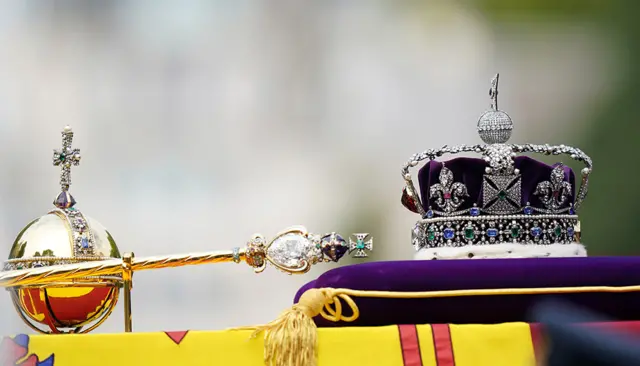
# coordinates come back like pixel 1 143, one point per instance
pixel 510 250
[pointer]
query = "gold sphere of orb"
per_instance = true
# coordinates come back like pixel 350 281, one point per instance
pixel 63 307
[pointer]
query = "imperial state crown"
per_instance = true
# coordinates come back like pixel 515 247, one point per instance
pixel 501 206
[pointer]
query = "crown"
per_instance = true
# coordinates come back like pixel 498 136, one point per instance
pixel 503 205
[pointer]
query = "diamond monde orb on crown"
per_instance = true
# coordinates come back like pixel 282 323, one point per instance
pixel 495 126
pixel 63 236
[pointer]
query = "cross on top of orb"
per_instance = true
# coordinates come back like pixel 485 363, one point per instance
pixel 66 157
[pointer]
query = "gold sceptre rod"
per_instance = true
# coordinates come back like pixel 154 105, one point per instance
pixel 65 272
pixel 308 249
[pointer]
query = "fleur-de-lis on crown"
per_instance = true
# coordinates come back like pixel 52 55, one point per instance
pixel 447 194
pixel 554 192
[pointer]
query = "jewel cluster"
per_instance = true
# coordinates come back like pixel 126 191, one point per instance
pixel 296 249
pixel 486 230
pixel 82 237
pixel 500 159
pixel 330 247
pixel 574 153
pixel 290 249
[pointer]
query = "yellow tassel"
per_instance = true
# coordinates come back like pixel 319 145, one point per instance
pixel 291 339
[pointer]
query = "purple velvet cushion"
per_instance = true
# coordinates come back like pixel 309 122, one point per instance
pixel 480 274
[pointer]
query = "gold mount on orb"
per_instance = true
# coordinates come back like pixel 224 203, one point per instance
pixel 65 272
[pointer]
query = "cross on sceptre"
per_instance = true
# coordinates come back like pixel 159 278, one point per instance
pixel 64 158
pixel 362 243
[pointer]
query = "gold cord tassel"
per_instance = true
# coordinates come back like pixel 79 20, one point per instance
pixel 291 339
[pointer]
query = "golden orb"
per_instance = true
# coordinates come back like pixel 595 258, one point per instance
pixel 64 236
pixel 64 306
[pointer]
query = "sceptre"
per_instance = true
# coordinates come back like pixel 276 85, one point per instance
pixel 65 270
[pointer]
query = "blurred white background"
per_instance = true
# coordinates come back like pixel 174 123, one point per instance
pixel 203 122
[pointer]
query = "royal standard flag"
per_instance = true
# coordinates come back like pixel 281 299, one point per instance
pixel 399 345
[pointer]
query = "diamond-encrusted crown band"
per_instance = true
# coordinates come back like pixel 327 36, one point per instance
pixel 481 230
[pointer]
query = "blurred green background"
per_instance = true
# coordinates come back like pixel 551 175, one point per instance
pixel 612 128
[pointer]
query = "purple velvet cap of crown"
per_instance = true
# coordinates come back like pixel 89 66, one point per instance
pixel 470 171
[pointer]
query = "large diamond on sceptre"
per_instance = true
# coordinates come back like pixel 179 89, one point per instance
pixel 292 251
pixel 295 250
